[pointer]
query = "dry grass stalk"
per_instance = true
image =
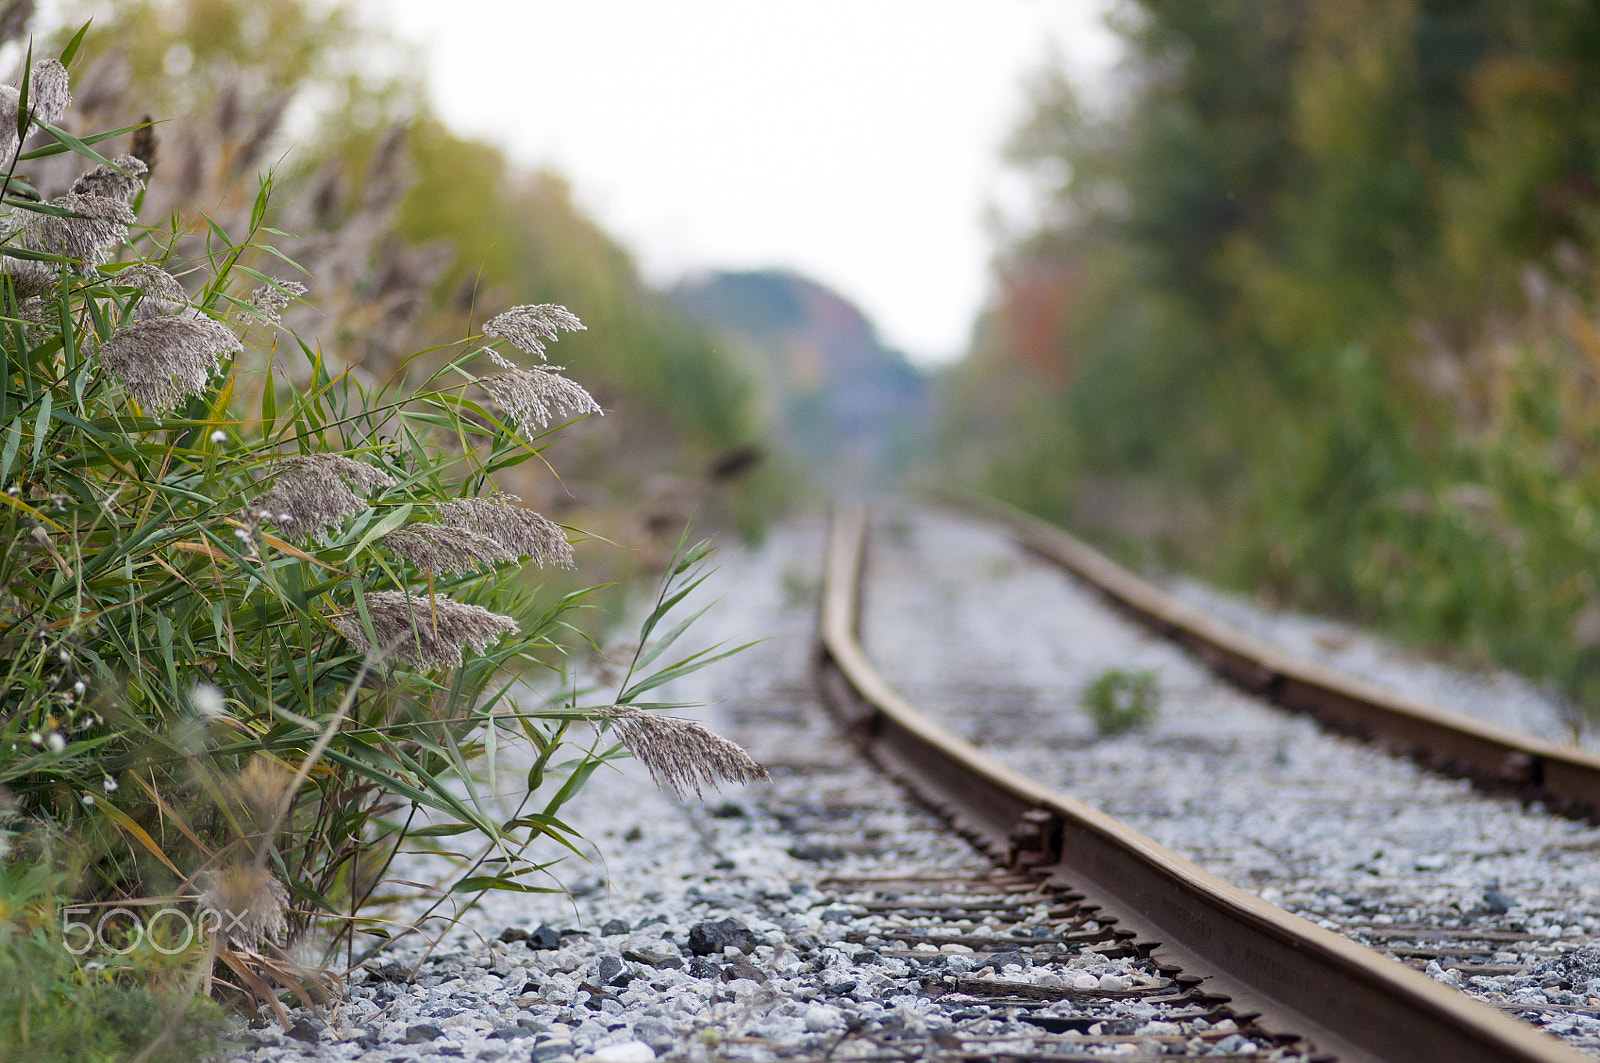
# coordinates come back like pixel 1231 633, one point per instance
pixel 163 360
pixel 311 492
pixel 681 754
pixel 528 328
pixel 424 632
pixel 446 548
pixel 251 902
pixel 521 531
pixel 537 396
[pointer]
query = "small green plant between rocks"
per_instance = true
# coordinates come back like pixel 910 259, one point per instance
pixel 1121 701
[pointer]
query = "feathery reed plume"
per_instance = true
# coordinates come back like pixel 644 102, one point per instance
pixel 122 181
pixel 311 492
pixel 681 754
pixel 161 292
pixel 163 360
pixel 33 309
pixel 446 548
pixel 535 396
pixel 31 279
pixel 250 901
pixel 100 204
pixel 270 301
pixel 529 328
pixel 10 102
pixel 261 787
pixel 49 92
pixel 99 224
pixel 424 632
pixel 521 531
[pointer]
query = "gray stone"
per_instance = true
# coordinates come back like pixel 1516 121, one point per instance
pixel 552 1051
pixel 510 1033
pixel 700 967
pixel 706 937
pixel 743 970
pixel 307 1029
pixel 816 853
pixel 657 1034
pixel 660 960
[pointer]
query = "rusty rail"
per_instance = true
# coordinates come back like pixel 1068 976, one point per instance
pixel 1566 779
pixel 1351 1003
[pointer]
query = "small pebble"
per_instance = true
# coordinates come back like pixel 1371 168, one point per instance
pixel 624 1052
pixel 821 1017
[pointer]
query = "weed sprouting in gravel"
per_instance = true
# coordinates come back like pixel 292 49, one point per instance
pixel 1121 701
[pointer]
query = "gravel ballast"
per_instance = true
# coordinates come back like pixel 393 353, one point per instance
pixel 1494 695
pixel 820 916
pixel 825 916
pixel 957 617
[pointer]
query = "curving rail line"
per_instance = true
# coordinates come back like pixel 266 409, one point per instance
pixel 1352 1003
pixel 1566 779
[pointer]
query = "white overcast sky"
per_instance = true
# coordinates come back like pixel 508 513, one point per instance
pixel 855 141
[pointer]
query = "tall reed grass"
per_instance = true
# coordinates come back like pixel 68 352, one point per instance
pixel 263 626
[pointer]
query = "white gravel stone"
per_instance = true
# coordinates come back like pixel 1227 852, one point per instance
pixel 820 1017
pixel 624 1052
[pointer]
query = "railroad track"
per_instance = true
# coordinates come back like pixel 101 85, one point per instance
pixel 1564 779
pixel 1201 936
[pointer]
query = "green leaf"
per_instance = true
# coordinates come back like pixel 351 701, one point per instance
pixel 49 150
pixel 13 442
pixel 71 50
pixel 23 93
pixel 443 830
pixel 669 638
pixel 73 144
pixel 684 667
pixel 32 256
pixel 388 524
pixel 269 402
pixel 540 822
pixel 41 428
pixel 476 883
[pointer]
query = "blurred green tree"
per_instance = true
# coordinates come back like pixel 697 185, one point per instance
pixel 415 233
pixel 1328 271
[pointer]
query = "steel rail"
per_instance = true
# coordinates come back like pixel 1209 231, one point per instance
pixel 1566 779
pixel 1353 1004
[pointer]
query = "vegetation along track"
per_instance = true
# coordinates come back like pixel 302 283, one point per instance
pixel 1300 977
